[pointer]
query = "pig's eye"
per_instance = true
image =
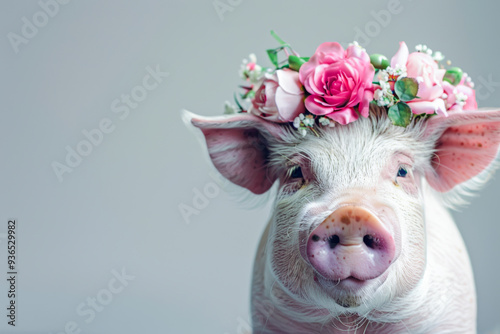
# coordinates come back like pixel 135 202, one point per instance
pixel 402 172
pixel 296 172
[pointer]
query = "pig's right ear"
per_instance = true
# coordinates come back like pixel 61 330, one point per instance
pixel 466 145
pixel 238 147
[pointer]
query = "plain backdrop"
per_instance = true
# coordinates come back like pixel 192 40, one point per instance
pixel 118 208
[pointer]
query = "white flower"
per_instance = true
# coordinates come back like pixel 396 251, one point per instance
pixel 308 120
pixel 423 48
pixel 325 121
pixel 468 80
pixel 385 85
pixel 249 70
pixel 461 99
pixel 296 122
pixel 382 75
pixel 399 71
pixel 438 56
pixel 303 132
pixel 229 108
pixel 384 97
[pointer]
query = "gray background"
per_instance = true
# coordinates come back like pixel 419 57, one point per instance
pixel 120 207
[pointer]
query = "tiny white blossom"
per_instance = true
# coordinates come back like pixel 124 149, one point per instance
pixel 308 120
pixel 438 56
pixel 229 108
pixel 399 71
pixel 301 116
pixel 444 96
pixel 421 47
pixel 296 122
pixel 468 80
pixel 303 132
pixel 461 98
pixel 385 85
pixel 382 75
pixel 384 97
pixel 252 73
pixel 324 121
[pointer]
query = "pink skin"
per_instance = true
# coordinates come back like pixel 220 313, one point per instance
pixel 243 156
pixel 350 244
pixel 467 145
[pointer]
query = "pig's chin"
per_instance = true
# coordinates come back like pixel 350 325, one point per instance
pixel 350 292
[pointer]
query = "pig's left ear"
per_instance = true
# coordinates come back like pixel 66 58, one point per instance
pixel 238 148
pixel 466 145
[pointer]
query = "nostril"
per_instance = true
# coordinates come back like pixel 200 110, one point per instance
pixel 370 241
pixel 333 240
pixel 315 237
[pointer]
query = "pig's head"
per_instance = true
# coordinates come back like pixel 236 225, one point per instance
pixel 347 232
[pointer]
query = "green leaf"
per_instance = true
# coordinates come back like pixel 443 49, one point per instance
pixel 379 61
pixel 273 56
pixel 400 114
pixel 453 75
pixel 406 89
pixel 238 103
pixel 295 62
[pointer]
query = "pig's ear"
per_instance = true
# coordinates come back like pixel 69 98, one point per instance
pixel 238 147
pixel 466 146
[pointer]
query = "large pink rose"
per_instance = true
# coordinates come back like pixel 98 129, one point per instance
pixel 338 80
pixel 425 70
pixel 280 97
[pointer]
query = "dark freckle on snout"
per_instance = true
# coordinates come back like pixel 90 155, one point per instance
pixel 358 218
pixel 345 220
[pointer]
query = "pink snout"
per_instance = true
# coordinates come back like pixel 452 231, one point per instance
pixel 351 242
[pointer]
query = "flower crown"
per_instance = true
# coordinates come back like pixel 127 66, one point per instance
pixel 335 86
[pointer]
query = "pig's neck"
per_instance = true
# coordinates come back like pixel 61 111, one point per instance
pixel 443 301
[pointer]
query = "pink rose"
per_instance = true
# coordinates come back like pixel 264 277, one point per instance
pixel 280 97
pixel 338 81
pixel 429 76
pixel 425 69
pixel 460 91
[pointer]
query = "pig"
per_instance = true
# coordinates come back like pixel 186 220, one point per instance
pixel 360 239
